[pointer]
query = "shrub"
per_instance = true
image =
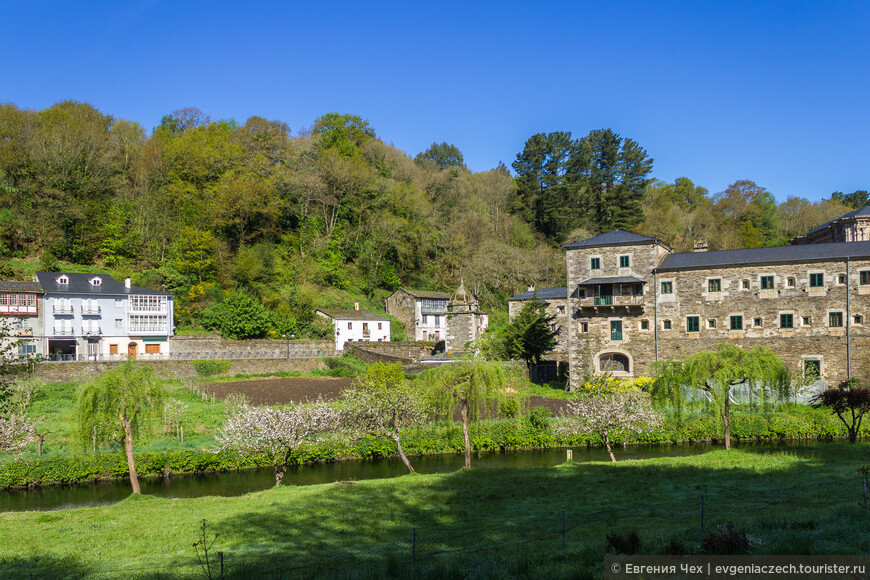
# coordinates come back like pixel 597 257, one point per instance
pixel 539 418
pixel 210 368
pixel 623 543
pixel 509 408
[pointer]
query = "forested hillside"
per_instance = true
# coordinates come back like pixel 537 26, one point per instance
pixel 257 219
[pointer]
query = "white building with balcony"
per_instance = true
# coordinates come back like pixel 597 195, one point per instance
pixel 95 317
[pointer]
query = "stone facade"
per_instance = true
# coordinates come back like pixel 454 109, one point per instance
pixel 634 302
pixel 465 322
pixel 851 227
pixel 423 312
pixel 214 347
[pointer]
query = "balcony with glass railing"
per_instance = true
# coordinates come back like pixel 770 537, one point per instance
pixel 62 309
pixel 90 310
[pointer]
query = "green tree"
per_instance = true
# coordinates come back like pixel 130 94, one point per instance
pixel 116 405
pixel 850 401
pixel 345 133
pixel 751 210
pixel 855 200
pixel 443 155
pixel 716 372
pixel 542 185
pixel 529 336
pixel 383 403
pixel 241 316
pixel 471 386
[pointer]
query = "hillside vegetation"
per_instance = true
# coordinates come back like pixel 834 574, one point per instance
pixel 252 217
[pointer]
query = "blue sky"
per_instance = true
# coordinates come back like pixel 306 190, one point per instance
pixel 775 92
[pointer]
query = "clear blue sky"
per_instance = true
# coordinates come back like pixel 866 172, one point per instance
pixel 775 92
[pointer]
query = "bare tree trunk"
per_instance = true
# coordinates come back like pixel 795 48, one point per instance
pixel 726 418
pixel 395 437
pixel 280 470
pixel 463 411
pixel 607 445
pixel 128 447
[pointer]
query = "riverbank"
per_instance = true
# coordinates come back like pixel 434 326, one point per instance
pixel 504 523
pixel 533 432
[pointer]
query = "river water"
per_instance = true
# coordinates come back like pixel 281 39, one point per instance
pixel 241 482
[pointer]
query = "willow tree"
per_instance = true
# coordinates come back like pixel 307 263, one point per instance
pixel 116 405
pixel 715 372
pixel 471 386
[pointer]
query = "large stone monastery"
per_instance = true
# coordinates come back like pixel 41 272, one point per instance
pixel 631 300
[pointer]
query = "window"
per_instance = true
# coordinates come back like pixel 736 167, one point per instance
pixel 615 330
pixel 737 322
pixel 434 304
pixel 807 321
pixel 711 323
pixel 152 348
pixel 858 319
pixel 614 362
pixel 817 280
pixel 437 320
pixel 746 284
pixel 666 324
pixel 595 264
pixel 62 280
pixel 644 324
pixel 584 327
pixel 767 282
pixel 425 319
pixel 381 324
pixel 96 281
pixel 560 309
pixel 790 282
pixel 786 320
pixel 667 287
pixel 148 324
pixel 714 285
pixel 365 328
pixel 26 349
pixel 841 279
pixel 812 368
pixel 350 325
pixel 113 349
pixel 835 319
pixel 119 303
pixel 119 323
pixel 623 262
pixel 757 322
pixel 693 324
pixel 865 277
pixel 148 303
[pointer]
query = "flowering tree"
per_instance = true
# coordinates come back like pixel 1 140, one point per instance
pixel 601 414
pixel 382 403
pixel 16 432
pixel 275 433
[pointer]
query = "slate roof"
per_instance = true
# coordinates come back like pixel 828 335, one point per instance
pixel 80 284
pixel 612 280
pixel 11 286
pixel 864 211
pixel 543 294
pixel 614 238
pixel 339 314
pixel 428 294
pixel 804 253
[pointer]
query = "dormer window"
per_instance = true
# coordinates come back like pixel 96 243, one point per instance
pixel 96 281
pixel 63 280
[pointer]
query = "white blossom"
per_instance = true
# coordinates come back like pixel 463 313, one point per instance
pixel 16 432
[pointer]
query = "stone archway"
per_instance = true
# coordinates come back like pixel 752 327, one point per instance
pixel 617 362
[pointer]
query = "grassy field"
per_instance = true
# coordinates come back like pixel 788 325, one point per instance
pixel 488 523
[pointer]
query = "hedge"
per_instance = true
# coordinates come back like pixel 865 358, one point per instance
pixel 435 438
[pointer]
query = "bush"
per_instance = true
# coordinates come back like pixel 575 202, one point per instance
pixel 539 418
pixel 509 408
pixel 210 368
pixel 623 543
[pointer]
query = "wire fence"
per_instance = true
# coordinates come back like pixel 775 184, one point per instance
pixel 561 532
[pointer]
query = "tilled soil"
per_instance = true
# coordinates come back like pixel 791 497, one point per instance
pixel 283 391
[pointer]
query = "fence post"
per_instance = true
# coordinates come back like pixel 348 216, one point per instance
pixel 414 546
pixel 563 530
pixel 702 512
pixel 221 554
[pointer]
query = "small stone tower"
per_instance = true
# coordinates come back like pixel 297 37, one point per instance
pixel 465 322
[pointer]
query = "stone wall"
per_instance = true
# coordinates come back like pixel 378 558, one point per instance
pixel 214 347
pixel 390 351
pixel 656 326
pixel 401 306
pixel 76 371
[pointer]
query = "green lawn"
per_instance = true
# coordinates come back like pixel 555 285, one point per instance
pixel 488 523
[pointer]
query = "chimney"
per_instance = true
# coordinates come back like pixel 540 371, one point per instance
pixel 356 305
pixel 700 246
pixel 127 283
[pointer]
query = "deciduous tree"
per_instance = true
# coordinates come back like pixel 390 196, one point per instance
pixel 850 401
pixel 116 405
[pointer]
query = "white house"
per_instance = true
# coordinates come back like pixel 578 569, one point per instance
pixel 357 325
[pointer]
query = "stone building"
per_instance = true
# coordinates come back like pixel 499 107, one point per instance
pixel 555 301
pixel 423 312
pixel 465 322
pixel 633 301
pixel 851 227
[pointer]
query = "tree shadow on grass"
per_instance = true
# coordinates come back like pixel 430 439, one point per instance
pixel 41 566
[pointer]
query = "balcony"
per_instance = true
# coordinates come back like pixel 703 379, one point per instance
pixel 90 310
pixel 62 309
pixel 63 331
pixel 611 302
pixel 92 332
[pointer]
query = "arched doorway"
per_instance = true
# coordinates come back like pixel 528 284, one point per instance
pixel 131 350
pixel 617 363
